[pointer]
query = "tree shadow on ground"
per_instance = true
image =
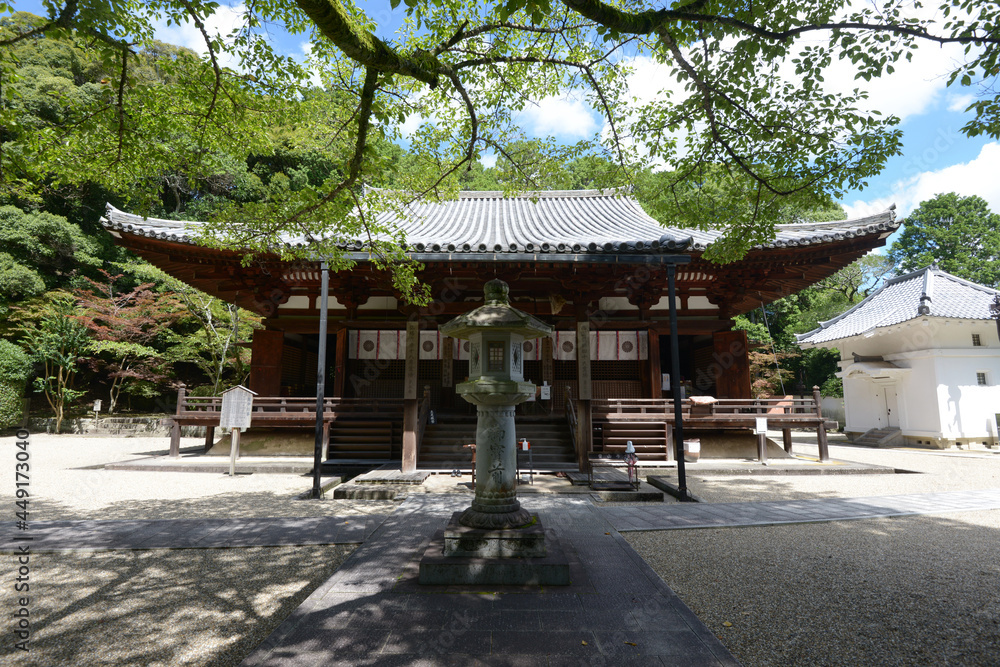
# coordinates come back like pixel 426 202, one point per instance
pixel 256 504
pixel 167 607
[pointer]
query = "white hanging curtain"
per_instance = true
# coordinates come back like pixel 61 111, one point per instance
pixel 430 344
pixel 377 344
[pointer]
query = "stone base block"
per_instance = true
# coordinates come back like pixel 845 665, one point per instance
pixel 527 542
pixel 436 569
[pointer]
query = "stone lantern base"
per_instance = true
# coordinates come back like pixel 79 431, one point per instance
pixel 460 555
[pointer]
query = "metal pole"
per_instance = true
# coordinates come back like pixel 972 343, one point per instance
pixel 320 378
pixel 675 383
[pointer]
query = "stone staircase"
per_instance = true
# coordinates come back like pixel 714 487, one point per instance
pixel 880 437
pixel 442 445
pixel 364 439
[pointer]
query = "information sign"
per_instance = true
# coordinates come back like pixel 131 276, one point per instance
pixel 237 407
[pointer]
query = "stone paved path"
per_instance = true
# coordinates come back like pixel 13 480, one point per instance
pixel 372 612
pixel 722 515
pixel 190 533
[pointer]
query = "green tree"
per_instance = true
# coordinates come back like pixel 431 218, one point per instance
pixel 468 69
pixel 15 369
pixel 125 325
pixel 960 234
pixel 40 250
pixel 57 340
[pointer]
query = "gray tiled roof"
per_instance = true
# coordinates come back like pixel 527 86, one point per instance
pixel 571 222
pixel 929 292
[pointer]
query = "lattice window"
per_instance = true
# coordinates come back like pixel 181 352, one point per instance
pixel 429 374
pixel 982 379
pixel 564 370
pixel 375 378
pixel 495 359
pixel 976 341
pixel 616 370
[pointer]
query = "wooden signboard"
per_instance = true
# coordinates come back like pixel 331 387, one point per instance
pixel 237 406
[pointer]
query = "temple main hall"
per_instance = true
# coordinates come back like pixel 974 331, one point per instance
pixel 592 264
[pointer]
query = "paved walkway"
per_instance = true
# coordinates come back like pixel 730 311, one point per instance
pixel 723 515
pixel 372 612
pixel 189 533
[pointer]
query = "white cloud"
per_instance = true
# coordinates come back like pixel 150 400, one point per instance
pixel 959 103
pixel 488 160
pixel 410 125
pixel 222 22
pixel 976 177
pixel 560 116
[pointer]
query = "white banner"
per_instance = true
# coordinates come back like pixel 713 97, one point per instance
pixel 430 344
pixel 377 344
pixel 604 345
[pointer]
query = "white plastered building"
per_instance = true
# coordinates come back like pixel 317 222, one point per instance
pixel 920 361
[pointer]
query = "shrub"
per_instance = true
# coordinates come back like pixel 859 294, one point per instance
pixel 15 367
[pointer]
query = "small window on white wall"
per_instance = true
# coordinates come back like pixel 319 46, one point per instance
pixel 976 341
pixel 982 379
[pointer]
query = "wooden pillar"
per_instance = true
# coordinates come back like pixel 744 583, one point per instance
pixel 762 447
pixel 548 367
pixel 265 362
pixel 786 435
pixel 824 449
pixel 175 427
pixel 585 389
pixel 409 462
pixel 447 361
pixel 732 359
pixel 340 362
pixel 653 357
pixel 209 437
pixel 583 380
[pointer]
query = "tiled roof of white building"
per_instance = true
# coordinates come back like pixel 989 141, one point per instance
pixel 567 221
pixel 929 292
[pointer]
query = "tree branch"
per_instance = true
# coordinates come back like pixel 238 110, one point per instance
pixel 334 22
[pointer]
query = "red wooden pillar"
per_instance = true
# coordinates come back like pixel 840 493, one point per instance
pixel 340 363
pixel 265 362
pixel 584 413
pixel 410 416
pixel 653 359
pixel 731 363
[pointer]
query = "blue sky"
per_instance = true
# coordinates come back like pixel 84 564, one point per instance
pixel 937 157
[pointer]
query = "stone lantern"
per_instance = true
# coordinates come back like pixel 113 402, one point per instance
pixel 496 333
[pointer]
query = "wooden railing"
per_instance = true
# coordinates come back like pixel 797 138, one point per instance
pixel 423 411
pixel 571 420
pixel 657 408
pixel 724 413
pixel 272 411
pixel 292 406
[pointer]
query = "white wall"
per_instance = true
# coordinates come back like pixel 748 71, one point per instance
pixel 939 397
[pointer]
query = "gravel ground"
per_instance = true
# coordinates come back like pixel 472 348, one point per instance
pixel 204 607
pixel 68 482
pixel 919 590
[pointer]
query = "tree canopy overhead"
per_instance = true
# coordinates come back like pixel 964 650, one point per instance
pixel 746 109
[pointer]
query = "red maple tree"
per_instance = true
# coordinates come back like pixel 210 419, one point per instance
pixel 125 324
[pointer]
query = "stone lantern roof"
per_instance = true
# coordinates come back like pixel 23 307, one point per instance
pixel 496 314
